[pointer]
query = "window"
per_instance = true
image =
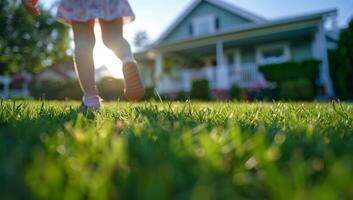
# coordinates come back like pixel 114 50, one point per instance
pixel 203 25
pixel 273 54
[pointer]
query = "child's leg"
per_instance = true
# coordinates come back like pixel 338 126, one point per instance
pixel 112 33
pixel 84 44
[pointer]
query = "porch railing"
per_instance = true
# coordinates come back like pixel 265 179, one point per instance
pixel 218 77
pixel 246 75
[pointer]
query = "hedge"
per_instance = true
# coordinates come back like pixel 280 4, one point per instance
pixel 297 90
pixel 291 70
pixel 109 89
pixel 235 92
pixel 200 90
pixel 341 64
pixel 295 80
pixel 55 90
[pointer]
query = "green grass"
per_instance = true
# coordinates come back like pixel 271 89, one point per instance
pixel 52 150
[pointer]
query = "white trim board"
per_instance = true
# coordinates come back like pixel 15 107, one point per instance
pixel 283 45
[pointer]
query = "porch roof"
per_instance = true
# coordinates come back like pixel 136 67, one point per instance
pixel 249 32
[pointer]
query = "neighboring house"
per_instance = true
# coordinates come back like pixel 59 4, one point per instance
pixel 21 81
pixel 102 72
pixel 62 70
pixel 220 42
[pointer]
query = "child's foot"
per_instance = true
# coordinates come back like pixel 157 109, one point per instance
pixel 134 89
pixel 92 102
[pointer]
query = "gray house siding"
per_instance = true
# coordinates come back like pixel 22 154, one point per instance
pixel 226 20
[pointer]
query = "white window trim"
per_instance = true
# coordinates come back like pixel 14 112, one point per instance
pixel 209 18
pixel 260 49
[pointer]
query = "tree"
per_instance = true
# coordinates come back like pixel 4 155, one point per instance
pixel 141 39
pixel 29 43
pixel 342 64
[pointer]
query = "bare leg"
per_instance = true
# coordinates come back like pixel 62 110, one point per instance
pixel 84 44
pixel 112 33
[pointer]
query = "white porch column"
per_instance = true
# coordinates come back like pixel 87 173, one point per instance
pixel 320 53
pixel 222 82
pixel 220 54
pixel 25 91
pixel 186 78
pixel 158 69
pixel 6 82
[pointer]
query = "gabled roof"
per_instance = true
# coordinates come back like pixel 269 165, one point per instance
pixel 252 27
pixel 219 3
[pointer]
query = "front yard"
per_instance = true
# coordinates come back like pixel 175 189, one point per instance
pixel 151 150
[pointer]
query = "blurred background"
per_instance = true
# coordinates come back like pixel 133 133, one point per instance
pixel 204 63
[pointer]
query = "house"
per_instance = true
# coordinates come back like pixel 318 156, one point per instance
pixel 15 86
pixel 224 44
pixel 64 70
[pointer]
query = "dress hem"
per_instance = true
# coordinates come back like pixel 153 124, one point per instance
pixel 66 21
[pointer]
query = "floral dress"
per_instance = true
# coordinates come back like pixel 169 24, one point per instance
pixel 85 10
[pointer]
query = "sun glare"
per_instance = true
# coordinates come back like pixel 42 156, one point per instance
pixel 104 56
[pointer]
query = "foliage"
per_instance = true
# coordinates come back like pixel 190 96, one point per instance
pixel 266 94
pixel 235 92
pixel 297 90
pixel 52 150
pixel 141 39
pixel 200 90
pixel 110 88
pixel 295 80
pixel 2 69
pixel 182 96
pixel 168 64
pixel 54 90
pixel 341 63
pixel 150 93
pixel 291 70
pixel 28 42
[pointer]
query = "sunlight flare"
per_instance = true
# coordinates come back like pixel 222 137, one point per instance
pixel 104 56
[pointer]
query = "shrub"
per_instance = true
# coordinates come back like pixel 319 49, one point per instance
pixel 200 90
pixel 291 70
pixel 299 90
pixel 55 90
pixel 110 88
pixel 235 92
pixel 341 64
pixel 182 96
pixel 295 80
pixel 150 93
pixel 267 94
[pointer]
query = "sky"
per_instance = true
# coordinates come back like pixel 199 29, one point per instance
pixel 154 16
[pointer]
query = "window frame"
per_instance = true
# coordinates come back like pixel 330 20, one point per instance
pixel 210 19
pixel 265 61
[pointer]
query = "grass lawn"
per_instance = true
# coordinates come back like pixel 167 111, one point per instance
pixel 52 150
